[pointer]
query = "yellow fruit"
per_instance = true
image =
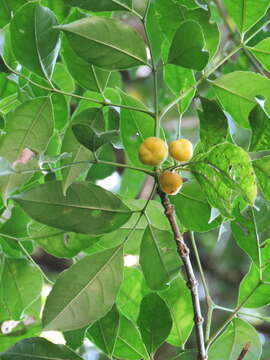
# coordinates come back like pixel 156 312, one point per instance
pixel 181 149
pixel 153 151
pixel 170 182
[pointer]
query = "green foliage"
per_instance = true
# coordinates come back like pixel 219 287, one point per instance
pixel 37 348
pixel 82 84
pixel 159 245
pixel 187 47
pixel 32 26
pixel 47 204
pixel 154 329
pixel 80 296
pixel 232 341
pixel 108 43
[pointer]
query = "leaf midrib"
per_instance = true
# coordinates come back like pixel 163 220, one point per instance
pixel 86 207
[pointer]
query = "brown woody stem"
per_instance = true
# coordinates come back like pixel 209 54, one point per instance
pixel 244 351
pixel 192 283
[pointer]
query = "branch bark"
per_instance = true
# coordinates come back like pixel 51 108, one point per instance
pixel 192 283
pixel 244 351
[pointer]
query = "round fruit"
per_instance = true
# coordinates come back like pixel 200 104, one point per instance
pixel 181 149
pixel 153 151
pixel 170 182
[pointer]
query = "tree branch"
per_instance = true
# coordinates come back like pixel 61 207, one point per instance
pixel 55 90
pixel 192 283
pixel 244 351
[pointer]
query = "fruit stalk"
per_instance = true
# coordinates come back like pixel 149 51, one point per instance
pixel 192 283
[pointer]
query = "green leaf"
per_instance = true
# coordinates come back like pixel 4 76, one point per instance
pixel 160 247
pixel 6 341
pixel 86 208
pixel 35 42
pixel 103 5
pixel 178 300
pixel 58 242
pixel 89 129
pixel 63 79
pixel 172 13
pixel 129 344
pixel 154 321
pixel 21 285
pixel 225 173
pixel 77 153
pixel 213 124
pixel 186 355
pixel 156 217
pixel 103 333
pixel 7 86
pixel 131 182
pixel 5 167
pixel 135 128
pixel 36 119
pixel 87 76
pixel 101 171
pixel 237 93
pixel 254 293
pixel 5 13
pixel 85 292
pixel 106 43
pixel 59 8
pixel 6 49
pixel 154 33
pixel 16 225
pixel 244 229
pixel 191 200
pixel 11 248
pixel 260 125
pixel 262 53
pixel 37 349
pixel 244 13
pixel 74 338
pixel 179 80
pixel 8 103
pixel 262 170
pixel 187 48
pixel 231 343
pixel 131 293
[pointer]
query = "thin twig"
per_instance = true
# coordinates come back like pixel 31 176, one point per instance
pixel 209 301
pixel 233 314
pixel 192 283
pixel 244 314
pixel 54 90
pixel 244 351
pixel 200 80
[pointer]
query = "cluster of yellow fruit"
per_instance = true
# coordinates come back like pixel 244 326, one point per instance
pixel 153 151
